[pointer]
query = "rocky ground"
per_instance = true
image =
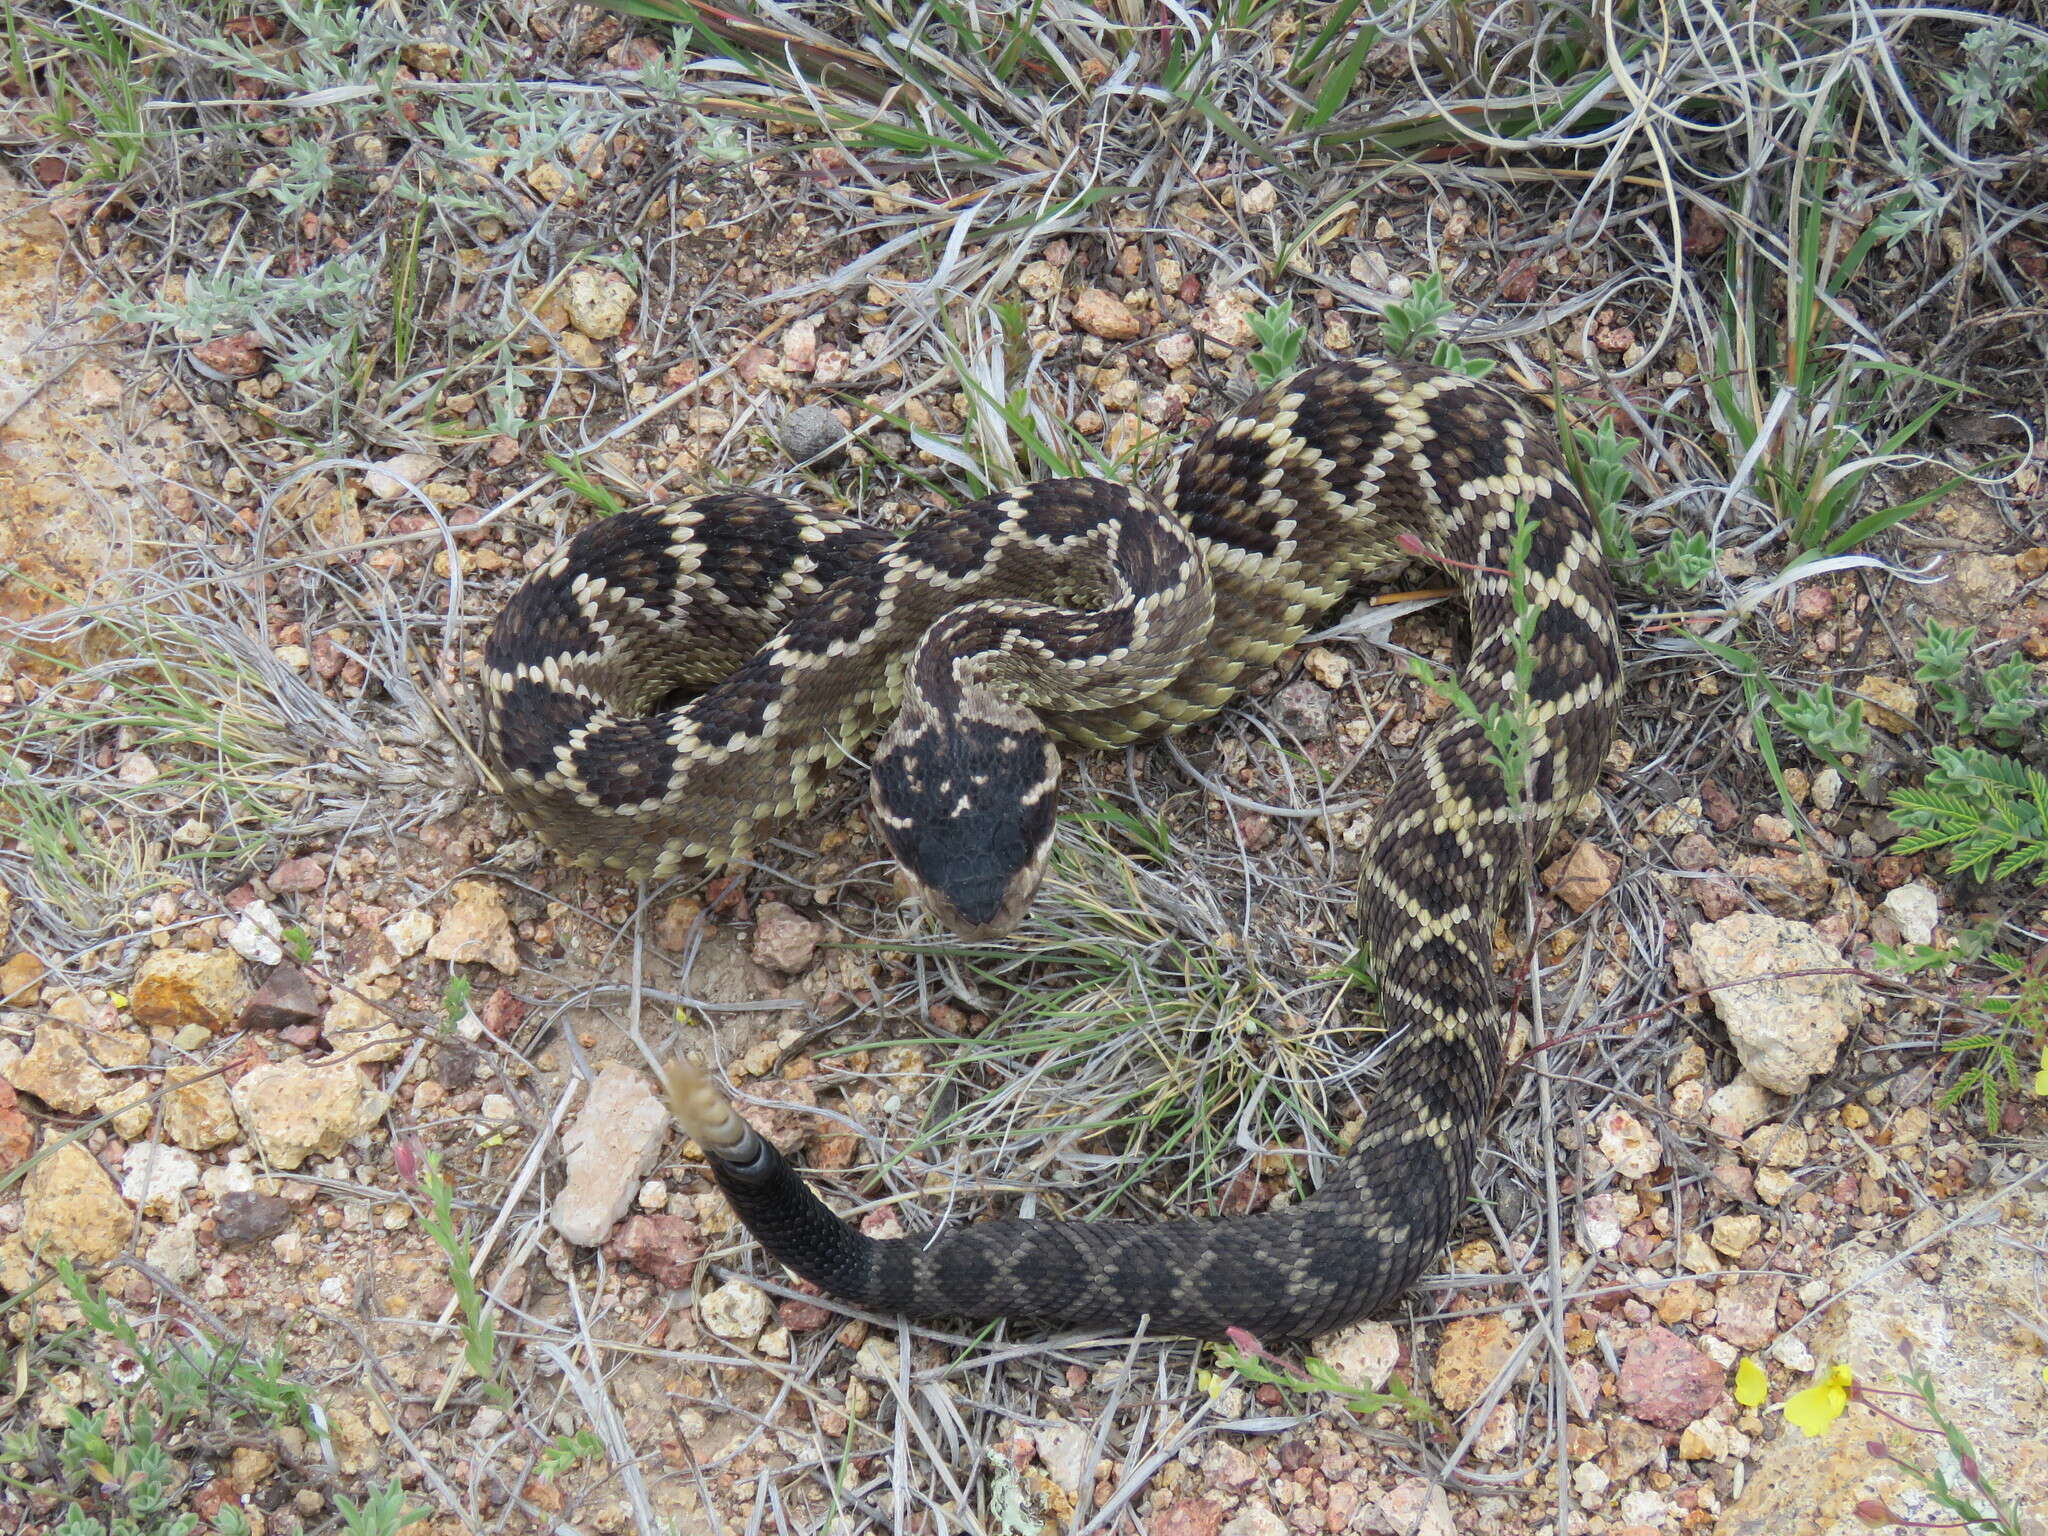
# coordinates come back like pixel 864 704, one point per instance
pixel 1729 1137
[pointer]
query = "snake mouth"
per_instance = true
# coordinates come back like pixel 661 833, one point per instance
pixel 983 903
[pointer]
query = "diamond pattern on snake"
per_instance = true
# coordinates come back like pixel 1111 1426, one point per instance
pixel 1084 614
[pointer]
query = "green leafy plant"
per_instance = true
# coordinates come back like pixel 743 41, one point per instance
pixel 2013 1001
pixel 299 942
pixel 115 1465
pixel 455 1002
pixel 2002 67
pixel 569 1451
pixel 1409 322
pixel 1989 811
pixel 1255 1363
pixel 1686 560
pixel 479 1328
pixel 2000 703
pixel 1507 726
pixel 1599 463
pixel 383 1513
pixel 1829 726
pixel 1279 348
pixel 1417 319
pixel 1794 386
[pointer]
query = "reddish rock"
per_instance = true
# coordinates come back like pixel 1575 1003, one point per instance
pixel 17 1136
pixel 1746 1311
pixel 1189 1517
pixel 1696 851
pixel 1666 1381
pixel 502 1014
pixel 1583 876
pixel 298 875
pixel 784 939
pixel 663 1248
pixel 285 999
pixel 232 357
pixel 802 1316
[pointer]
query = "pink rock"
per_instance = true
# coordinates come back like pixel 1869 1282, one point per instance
pixel 663 1248
pixel 1667 1382
pixel 298 875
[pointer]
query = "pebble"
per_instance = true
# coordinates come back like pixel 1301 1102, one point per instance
pixel 156 1177
pixel 1583 876
pixel 298 876
pixel 293 1110
pixel 1363 1355
pixel 61 1072
pixel 1666 1381
pixel 410 932
pixel 666 1249
pixel 1916 909
pixel 1472 1352
pixel 1775 1146
pixel 476 930
pixel 1101 313
pixel 784 939
pixel 21 981
pixel 810 433
pixel 257 935
pixel 600 302
pixel 285 999
pixel 1736 1235
pixel 738 1312
pixel 1629 1145
pixel 70 1208
pixel 1066 1449
pixel 241 1217
pixel 387 482
pixel 176 987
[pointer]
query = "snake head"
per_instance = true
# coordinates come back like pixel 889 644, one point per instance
pixel 967 808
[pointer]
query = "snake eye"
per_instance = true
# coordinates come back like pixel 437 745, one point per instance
pixel 970 817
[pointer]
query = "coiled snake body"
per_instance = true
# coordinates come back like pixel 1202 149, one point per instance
pixel 1083 610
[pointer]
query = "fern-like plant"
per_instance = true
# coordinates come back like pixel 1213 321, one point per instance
pixel 1988 810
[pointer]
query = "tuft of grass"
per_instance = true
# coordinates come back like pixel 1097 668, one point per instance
pixel 1135 1049
pixel 1797 382
pixel 169 740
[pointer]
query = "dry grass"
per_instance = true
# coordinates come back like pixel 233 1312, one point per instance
pixel 1611 196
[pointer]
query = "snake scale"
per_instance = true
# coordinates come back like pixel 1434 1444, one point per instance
pixel 1083 611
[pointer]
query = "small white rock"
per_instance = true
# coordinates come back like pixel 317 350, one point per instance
pixel 1916 908
pixel 257 935
pixel 387 482
pixel 736 1311
pixel 155 1175
pixel 1629 1145
pixel 409 932
pixel 1362 1354
pixel 1790 1351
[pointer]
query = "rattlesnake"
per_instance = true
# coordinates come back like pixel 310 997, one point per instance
pixel 1084 610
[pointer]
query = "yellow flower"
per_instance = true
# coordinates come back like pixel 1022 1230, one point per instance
pixel 1751 1385
pixel 2041 1080
pixel 1822 1403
